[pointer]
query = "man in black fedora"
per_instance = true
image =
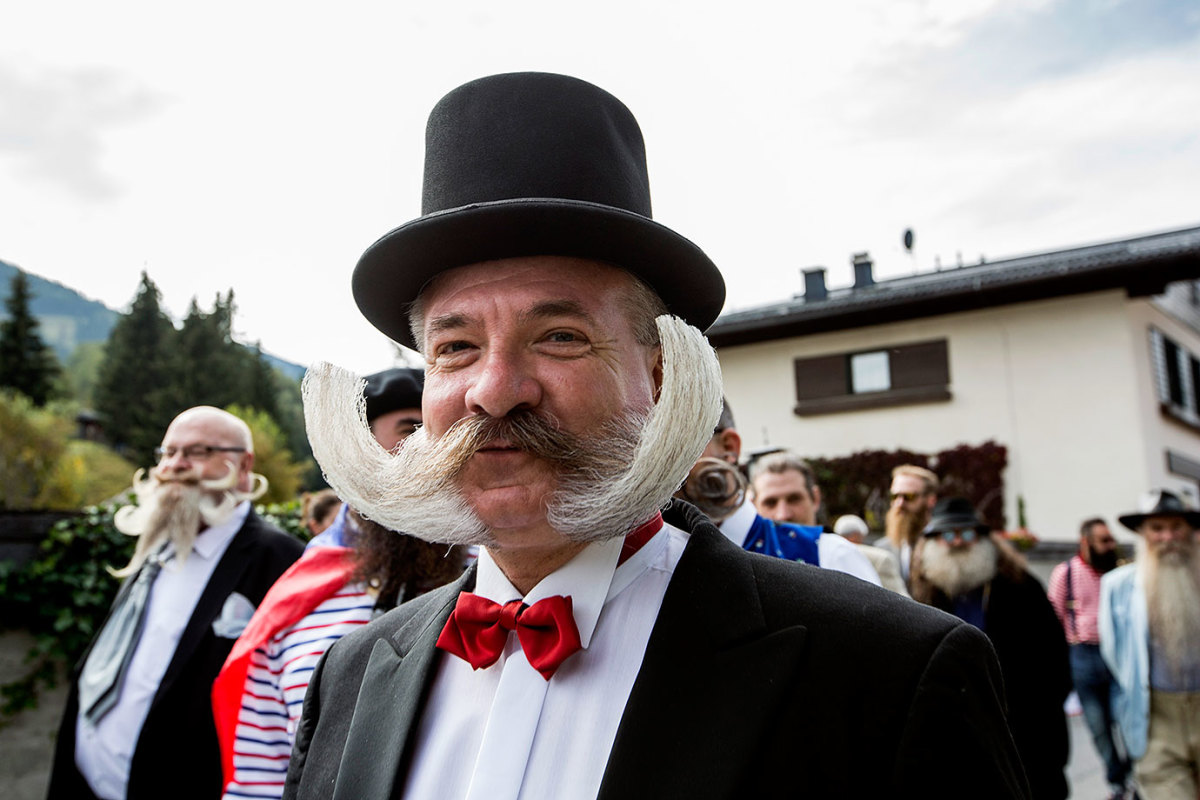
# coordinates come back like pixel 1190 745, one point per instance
pixel 569 390
pixel 959 566
pixel 1150 639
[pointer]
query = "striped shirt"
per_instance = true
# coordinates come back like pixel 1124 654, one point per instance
pixel 275 685
pixel 1085 587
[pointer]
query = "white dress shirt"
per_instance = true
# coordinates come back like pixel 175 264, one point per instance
pixel 833 551
pixel 103 752
pixel 506 733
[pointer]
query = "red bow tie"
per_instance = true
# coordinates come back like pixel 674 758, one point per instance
pixel 478 629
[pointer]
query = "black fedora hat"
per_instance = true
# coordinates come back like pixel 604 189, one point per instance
pixel 1159 503
pixel 528 164
pixel 952 514
pixel 393 389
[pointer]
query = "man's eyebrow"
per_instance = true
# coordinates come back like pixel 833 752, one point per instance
pixel 548 309
pixel 446 322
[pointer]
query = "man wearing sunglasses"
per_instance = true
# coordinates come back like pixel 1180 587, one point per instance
pixel 911 497
pixel 959 566
pixel 139 709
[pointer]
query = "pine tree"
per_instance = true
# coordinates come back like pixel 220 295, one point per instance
pixel 27 363
pixel 134 391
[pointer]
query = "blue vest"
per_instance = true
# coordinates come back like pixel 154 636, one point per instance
pixel 784 540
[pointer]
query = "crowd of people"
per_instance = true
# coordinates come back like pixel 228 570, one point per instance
pixel 544 570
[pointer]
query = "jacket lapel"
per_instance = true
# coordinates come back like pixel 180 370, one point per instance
pixel 712 664
pixel 399 673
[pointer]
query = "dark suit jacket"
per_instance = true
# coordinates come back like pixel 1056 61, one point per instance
pixel 845 690
pixel 176 754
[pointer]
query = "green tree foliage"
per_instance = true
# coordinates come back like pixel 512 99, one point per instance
pixel 41 467
pixel 859 483
pixel 27 364
pixel 82 371
pixel 272 459
pixel 133 390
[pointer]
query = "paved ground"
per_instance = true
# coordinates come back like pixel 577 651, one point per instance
pixel 1085 770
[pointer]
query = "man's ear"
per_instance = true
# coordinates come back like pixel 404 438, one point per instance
pixel 730 443
pixel 656 373
pixel 816 498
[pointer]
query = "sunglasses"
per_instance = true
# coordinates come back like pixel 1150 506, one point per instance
pixel 967 535
pixel 907 497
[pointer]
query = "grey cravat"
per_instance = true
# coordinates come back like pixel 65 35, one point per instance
pixel 104 671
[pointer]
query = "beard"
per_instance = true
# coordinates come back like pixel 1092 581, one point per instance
pixel 608 481
pixel 1101 562
pixel 173 508
pixel 1171 575
pixel 960 571
pixel 903 527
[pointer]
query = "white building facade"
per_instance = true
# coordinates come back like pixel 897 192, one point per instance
pixel 1084 364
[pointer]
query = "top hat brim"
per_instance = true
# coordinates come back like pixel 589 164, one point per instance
pixel 393 271
pixel 1134 521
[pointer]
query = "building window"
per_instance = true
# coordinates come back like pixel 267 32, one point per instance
pixel 910 373
pixel 1177 374
pixel 870 372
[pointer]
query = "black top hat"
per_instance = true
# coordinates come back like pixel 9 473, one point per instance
pixel 528 164
pixel 1159 503
pixel 393 389
pixel 954 513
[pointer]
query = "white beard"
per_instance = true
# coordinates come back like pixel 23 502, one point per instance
pixel 172 510
pixel 1172 581
pixel 416 489
pixel 956 573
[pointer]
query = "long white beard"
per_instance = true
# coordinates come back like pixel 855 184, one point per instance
pixel 956 573
pixel 173 510
pixel 1172 581
pixel 416 489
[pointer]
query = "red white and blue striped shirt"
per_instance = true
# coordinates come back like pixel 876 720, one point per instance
pixel 276 681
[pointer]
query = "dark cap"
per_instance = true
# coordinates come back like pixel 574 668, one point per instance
pixel 953 514
pixel 393 389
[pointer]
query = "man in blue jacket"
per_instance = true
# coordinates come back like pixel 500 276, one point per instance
pixel 1150 638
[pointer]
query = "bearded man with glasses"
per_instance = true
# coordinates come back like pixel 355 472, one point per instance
pixel 959 566
pixel 140 697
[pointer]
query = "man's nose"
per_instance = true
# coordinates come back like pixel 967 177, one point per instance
pixel 503 383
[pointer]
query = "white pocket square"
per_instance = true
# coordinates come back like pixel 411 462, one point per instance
pixel 236 612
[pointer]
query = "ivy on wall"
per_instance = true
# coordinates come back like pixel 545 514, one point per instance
pixel 859 483
pixel 64 592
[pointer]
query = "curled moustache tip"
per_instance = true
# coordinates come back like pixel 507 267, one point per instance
pixel 123 520
pixel 259 486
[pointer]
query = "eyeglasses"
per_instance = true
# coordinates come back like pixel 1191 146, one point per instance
pixel 907 497
pixel 967 535
pixel 194 452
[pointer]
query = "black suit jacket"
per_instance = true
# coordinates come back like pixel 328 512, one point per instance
pixel 844 690
pixel 176 755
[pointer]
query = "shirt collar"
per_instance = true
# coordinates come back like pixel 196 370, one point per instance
pixel 212 541
pixel 736 526
pixel 590 579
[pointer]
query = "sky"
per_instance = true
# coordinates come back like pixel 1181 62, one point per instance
pixel 263 146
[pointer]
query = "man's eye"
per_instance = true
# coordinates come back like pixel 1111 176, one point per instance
pixel 563 336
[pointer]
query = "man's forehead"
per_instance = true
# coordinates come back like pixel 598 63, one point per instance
pixel 788 480
pixel 573 285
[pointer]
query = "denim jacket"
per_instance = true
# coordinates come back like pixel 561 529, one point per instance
pixel 1125 645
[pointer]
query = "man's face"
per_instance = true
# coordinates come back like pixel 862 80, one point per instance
pixel 1167 536
pixel 785 497
pixel 394 427
pixel 911 497
pixel 548 334
pixel 189 434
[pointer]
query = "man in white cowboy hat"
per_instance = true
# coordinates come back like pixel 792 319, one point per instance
pixel 1150 638
pixel 139 708
pixel 568 393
